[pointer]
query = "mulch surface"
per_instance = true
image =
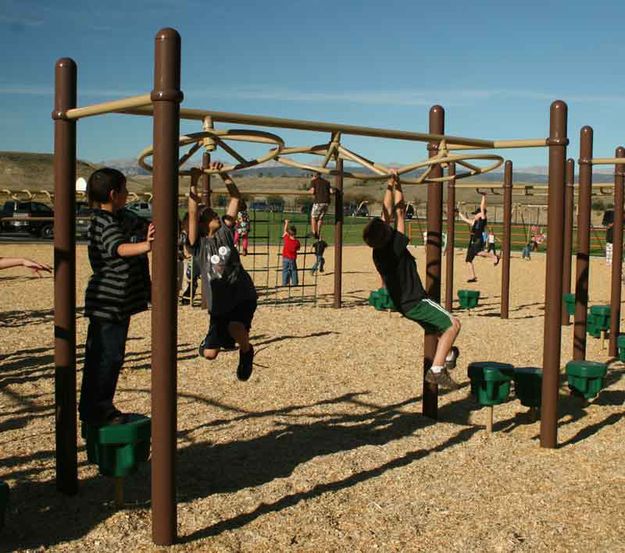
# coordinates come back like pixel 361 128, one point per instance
pixel 325 448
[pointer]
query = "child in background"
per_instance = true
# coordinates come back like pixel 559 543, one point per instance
pixel 228 287
pixel 242 229
pixel 289 255
pixel 398 268
pixel 318 248
pixel 116 291
pixel 491 243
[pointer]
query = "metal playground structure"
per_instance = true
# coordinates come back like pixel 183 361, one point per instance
pixel 163 105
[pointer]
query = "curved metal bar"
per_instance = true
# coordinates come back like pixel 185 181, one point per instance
pixel 220 136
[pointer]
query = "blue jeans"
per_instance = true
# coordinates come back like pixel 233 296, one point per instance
pixel 318 266
pixel 289 272
pixel 104 356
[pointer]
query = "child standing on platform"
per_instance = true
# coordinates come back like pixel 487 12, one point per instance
pixel 398 269
pixel 289 255
pixel 116 291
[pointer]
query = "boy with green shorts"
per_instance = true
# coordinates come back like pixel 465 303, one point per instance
pixel 398 269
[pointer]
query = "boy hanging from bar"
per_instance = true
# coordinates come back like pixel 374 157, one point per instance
pixel 398 269
pixel 229 289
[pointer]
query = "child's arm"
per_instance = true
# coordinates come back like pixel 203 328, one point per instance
pixel 464 218
pixel 286 226
pixel 35 266
pixel 400 204
pixel 387 202
pixel 235 196
pixel 483 205
pixel 130 250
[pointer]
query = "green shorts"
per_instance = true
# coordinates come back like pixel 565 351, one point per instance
pixel 431 316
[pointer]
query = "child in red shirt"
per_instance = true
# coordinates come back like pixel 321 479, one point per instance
pixel 289 255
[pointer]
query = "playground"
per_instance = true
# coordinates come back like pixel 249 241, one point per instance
pixel 325 448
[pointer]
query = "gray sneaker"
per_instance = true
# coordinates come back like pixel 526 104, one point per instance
pixel 441 378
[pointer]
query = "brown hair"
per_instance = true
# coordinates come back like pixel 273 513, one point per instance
pixel 375 233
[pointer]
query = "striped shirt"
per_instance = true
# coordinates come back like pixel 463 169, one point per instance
pixel 117 288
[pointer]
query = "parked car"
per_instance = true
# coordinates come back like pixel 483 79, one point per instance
pixel 42 228
pixel 261 205
pixel 83 219
pixel 143 209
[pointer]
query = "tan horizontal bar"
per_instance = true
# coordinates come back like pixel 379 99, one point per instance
pixel 109 107
pixel 264 192
pixel 608 161
pixel 317 126
pixel 501 144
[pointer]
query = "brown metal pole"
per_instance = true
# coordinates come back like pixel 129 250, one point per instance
pixel 205 196
pixel 166 97
pixel 206 180
pixel 433 259
pixel 338 234
pixel 567 254
pixel 617 254
pixel 65 277
pixel 582 263
pixel 451 238
pixel 507 239
pixel 553 287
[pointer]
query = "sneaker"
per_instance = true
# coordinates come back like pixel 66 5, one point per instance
pixel 441 378
pixel 498 259
pixel 450 360
pixel 472 279
pixel 246 364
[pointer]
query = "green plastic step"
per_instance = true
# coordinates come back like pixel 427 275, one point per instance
pixel 490 381
pixel 585 378
pixel 468 299
pixel 620 343
pixel 569 301
pixel 601 315
pixel 119 449
pixel 528 385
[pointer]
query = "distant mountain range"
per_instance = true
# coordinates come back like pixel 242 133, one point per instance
pixel 530 175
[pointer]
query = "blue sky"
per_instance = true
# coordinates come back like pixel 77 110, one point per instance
pixel 494 65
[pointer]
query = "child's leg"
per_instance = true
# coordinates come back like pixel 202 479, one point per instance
pixel 245 243
pixel 322 263
pixel 294 277
pixel 445 341
pixel 285 272
pixel 237 237
pixel 104 357
pixel 239 328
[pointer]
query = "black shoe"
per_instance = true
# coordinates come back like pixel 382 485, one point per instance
pixel 450 361
pixel 246 364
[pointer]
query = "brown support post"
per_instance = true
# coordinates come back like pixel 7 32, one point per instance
pixel 553 288
pixel 569 205
pixel 166 97
pixel 617 254
pixel 582 264
pixel 338 233
pixel 451 238
pixel 433 258
pixel 65 277
pixel 507 239
pixel 206 200
pixel 206 180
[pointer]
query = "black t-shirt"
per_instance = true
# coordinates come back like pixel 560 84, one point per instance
pixel 477 229
pixel 319 247
pixel 399 270
pixel 609 235
pixel 322 191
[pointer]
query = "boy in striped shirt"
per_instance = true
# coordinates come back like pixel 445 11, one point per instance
pixel 117 289
pixel 398 270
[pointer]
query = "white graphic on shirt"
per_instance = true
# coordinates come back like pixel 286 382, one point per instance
pixel 217 263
